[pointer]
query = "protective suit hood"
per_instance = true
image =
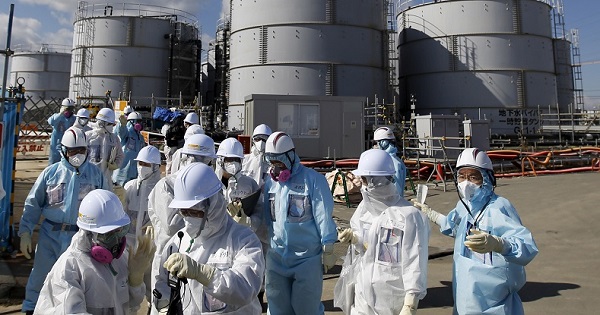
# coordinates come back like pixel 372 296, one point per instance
pixel 380 198
pixel 216 217
pixel 483 194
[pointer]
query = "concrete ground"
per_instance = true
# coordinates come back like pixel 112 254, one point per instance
pixel 560 210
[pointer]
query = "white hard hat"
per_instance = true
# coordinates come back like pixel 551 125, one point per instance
pixel 193 130
pixel 74 138
pixel 101 211
pixel 262 129
pixel 383 133
pixel 67 102
pixel 107 115
pixel 134 116
pixel 149 154
pixel 192 118
pixel 195 183
pixel 375 162
pixel 473 157
pixel 128 110
pixel 278 143
pixel 199 144
pixel 231 147
pixel 83 113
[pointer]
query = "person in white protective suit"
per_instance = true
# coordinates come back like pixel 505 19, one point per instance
pixel 122 121
pixel 167 221
pixel 97 274
pixel 138 190
pixel 491 245
pixel 254 164
pixel 221 261
pixel 83 119
pixel 178 155
pixel 105 147
pixel 191 119
pixel 298 213
pixel 389 239
pixel 386 140
pixel 136 198
pixel 56 195
pixel 132 142
pixel 60 122
pixel 235 185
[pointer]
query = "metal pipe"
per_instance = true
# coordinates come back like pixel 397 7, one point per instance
pixel 7 54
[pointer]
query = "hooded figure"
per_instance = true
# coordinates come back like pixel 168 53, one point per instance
pixel 97 274
pixel 491 246
pixel 60 122
pixel 83 120
pixel 389 240
pixel 131 142
pixel 298 213
pixel 386 140
pixel 254 164
pixel 105 149
pixel 221 260
pixel 56 195
pixel 165 220
pixel 178 157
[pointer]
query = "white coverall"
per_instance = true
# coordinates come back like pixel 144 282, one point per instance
pixel 101 146
pixel 394 263
pixel 78 284
pixel 231 248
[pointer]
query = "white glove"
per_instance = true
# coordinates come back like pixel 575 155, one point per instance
pixel 433 215
pixel 234 208
pixel 183 266
pixel 328 257
pixel 26 245
pixel 482 242
pixel 113 166
pixel 410 305
pixel 142 259
pixel 347 236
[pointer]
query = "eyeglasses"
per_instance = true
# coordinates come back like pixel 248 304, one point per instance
pixel 470 177
pixel 77 150
pixel 258 139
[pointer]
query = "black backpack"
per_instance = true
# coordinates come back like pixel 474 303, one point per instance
pixel 175 133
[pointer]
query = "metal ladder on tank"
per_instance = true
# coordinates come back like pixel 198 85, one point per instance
pixel 83 54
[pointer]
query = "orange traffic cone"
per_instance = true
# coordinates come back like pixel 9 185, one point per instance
pixel 439 172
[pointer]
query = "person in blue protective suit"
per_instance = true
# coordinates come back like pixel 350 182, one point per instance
pixel 298 214
pixel 56 195
pixel 131 142
pixel 386 140
pixel 389 240
pixel 60 122
pixel 221 261
pixel 97 274
pixel 491 246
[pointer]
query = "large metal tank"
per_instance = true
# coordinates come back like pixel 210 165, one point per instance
pixel 45 70
pixel 134 50
pixel 564 76
pixel 305 47
pixel 486 59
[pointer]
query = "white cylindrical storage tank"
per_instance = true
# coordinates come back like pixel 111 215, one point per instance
pixel 486 59
pixel 137 50
pixel 45 70
pixel 305 47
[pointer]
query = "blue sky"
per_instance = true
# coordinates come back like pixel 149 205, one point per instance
pixel 51 22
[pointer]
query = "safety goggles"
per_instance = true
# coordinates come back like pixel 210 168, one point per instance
pixel 259 138
pixel 113 237
pixel 472 175
pixel 196 211
pixel 376 181
pixel 77 150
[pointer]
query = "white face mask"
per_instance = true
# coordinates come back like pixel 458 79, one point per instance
pixel 232 167
pixel 258 147
pixel 193 226
pixel 144 171
pixel 77 159
pixel 467 189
